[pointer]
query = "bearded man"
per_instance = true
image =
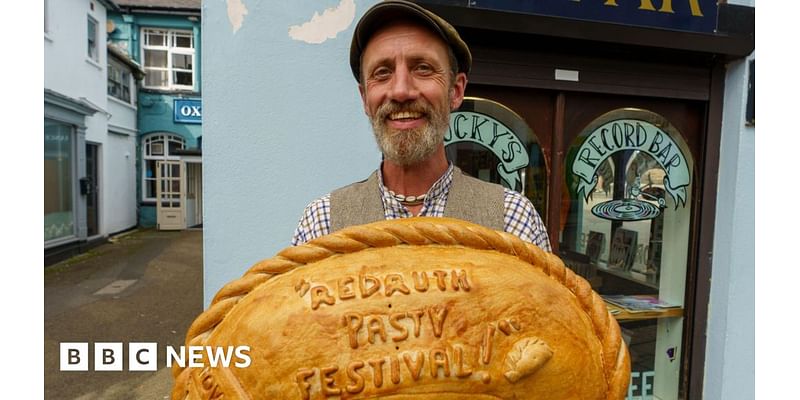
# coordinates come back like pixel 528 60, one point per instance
pixel 411 67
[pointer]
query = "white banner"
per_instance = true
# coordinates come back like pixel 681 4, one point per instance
pixel 631 134
pixel 467 126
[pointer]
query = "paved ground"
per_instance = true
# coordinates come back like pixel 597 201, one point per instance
pixel 144 287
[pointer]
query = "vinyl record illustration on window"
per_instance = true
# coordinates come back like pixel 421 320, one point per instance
pixel 652 155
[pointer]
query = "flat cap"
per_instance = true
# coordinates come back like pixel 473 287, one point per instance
pixel 384 12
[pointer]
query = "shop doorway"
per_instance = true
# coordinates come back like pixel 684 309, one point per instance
pixel 622 254
pixel 194 195
pixel 170 189
pixel 91 187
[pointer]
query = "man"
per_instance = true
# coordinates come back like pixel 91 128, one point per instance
pixel 411 67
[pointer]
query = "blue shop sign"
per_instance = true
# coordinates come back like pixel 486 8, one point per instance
pixel 682 15
pixel 188 111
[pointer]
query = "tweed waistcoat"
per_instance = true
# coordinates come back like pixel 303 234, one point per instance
pixel 469 199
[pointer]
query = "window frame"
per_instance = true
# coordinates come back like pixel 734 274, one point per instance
pixel 46 17
pixel 170 47
pixel 125 80
pixel 92 43
pixel 148 141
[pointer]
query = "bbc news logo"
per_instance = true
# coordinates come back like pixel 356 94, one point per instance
pixel 108 356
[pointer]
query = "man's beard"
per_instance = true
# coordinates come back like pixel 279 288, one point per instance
pixel 410 146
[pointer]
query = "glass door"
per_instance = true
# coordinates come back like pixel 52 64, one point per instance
pixel 617 188
pixel 629 180
pixel 170 195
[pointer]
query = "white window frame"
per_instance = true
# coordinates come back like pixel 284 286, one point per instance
pixel 94 56
pixel 169 46
pixel 126 80
pixel 147 144
pixel 46 17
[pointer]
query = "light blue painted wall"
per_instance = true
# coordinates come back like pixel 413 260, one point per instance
pixel 730 348
pixel 283 125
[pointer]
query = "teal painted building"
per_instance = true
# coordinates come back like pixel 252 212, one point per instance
pixel 164 38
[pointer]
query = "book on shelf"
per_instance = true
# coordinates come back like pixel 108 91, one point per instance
pixel 638 303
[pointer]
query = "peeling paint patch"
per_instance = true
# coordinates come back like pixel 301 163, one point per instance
pixel 236 13
pixel 325 26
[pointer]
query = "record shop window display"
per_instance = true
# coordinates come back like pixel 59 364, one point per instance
pixel 625 223
pixel 491 142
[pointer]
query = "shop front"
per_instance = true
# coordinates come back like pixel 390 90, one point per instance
pixel 608 118
pixel 68 194
pixel 171 162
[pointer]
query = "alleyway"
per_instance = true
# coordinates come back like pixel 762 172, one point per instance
pixel 144 287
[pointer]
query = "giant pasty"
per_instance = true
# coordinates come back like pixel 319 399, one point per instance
pixel 430 308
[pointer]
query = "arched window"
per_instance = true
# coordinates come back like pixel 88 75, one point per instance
pixel 158 147
pixel 626 229
pixel 490 141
